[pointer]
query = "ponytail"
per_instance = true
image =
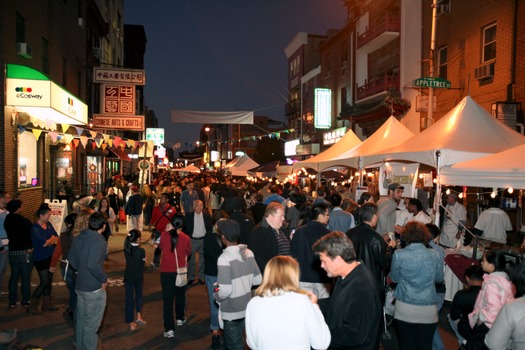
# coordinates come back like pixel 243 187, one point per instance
pixel 132 237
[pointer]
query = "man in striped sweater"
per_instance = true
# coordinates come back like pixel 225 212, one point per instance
pixel 237 273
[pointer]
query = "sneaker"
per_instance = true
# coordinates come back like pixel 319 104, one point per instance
pixel 26 304
pixel 181 322
pixel 169 334
pixel 155 266
pixel 215 342
pixel 12 306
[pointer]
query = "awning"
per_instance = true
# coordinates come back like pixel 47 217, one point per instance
pixel 120 153
pixel 32 92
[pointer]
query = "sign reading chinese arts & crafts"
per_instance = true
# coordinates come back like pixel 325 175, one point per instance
pixel 115 75
pixel 117 99
pixel 156 135
pixel 109 122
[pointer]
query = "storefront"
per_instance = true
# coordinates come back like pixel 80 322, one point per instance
pixel 38 113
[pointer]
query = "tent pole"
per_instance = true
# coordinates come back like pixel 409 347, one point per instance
pixel 437 197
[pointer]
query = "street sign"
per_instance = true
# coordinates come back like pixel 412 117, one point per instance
pixel 434 82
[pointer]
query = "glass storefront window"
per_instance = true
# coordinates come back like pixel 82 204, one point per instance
pixel 28 160
pixel 94 174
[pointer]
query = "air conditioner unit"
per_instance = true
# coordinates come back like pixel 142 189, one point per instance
pixel 484 72
pixel 96 52
pixel 24 50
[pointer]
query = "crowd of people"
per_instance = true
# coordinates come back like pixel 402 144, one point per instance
pixel 282 269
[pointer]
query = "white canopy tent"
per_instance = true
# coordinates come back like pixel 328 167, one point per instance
pixel 502 170
pixel 347 142
pixel 391 133
pixel 466 132
pixel 189 169
pixel 240 165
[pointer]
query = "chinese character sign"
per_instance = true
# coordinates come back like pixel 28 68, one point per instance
pixel 118 99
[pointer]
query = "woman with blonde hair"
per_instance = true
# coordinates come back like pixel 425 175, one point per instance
pixel 281 316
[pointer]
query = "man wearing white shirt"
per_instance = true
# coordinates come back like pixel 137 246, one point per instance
pixel 494 223
pixel 197 224
pixel 454 213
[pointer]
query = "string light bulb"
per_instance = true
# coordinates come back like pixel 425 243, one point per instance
pixel 460 195
pixel 447 192
pixel 493 195
pixel 510 190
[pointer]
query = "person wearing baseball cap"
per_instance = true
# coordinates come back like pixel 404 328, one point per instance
pixel 386 208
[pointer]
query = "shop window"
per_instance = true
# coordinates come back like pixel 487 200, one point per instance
pixel 28 160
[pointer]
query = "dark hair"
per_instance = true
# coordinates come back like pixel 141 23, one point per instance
pixel 474 272
pixel 367 212
pixel 336 244
pixel 42 209
pixel 336 199
pixel 496 258
pixel 70 222
pixel 177 221
pixel 13 205
pixel 416 232
pixel 166 195
pixel 132 237
pixel 433 229
pixel 318 209
pixel 417 203
pixel 517 275
pixel 364 197
pixel 97 220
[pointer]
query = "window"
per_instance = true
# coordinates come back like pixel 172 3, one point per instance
pixel 442 62
pixel 344 53
pixel 20 29
pixel 489 43
pixel 28 160
pixel 45 56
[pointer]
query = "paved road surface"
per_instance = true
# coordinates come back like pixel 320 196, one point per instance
pixel 52 331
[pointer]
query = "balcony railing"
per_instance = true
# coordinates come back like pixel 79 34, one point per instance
pixel 377 85
pixel 387 24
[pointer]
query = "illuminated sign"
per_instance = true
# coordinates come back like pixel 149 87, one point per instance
pixel 331 137
pixel 117 99
pixel 117 122
pixel 114 75
pixel 156 135
pixel 289 148
pixel 323 108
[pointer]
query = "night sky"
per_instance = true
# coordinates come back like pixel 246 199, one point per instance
pixel 222 55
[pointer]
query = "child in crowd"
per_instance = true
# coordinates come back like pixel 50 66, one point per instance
pixel 134 278
pixel 496 291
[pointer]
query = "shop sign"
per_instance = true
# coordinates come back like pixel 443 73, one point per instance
pixel 116 122
pixel 322 108
pixel 156 135
pixel 331 137
pixel 58 214
pixel 115 75
pixel 117 99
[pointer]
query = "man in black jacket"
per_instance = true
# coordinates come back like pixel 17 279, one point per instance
pixel 313 278
pixel 352 313
pixel 370 247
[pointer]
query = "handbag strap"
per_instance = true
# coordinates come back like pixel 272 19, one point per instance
pixel 176 258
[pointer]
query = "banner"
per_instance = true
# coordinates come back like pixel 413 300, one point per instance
pixel 204 117
pixel 404 174
pixel 58 214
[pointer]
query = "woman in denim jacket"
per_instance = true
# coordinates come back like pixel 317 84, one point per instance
pixel 416 269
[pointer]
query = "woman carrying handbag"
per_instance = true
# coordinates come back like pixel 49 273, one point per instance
pixel 175 246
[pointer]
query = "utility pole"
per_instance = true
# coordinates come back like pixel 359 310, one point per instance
pixel 430 113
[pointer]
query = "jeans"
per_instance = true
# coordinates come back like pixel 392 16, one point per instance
pixel 234 334
pixel 214 308
pixel 71 280
pixel 454 326
pixel 133 302
pixel 197 245
pixel 437 342
pixel 169 292
pixel 415 336
pixel 4 258
pixel 21 267
pixel 88 316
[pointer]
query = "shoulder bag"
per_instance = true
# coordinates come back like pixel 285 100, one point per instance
pixel 182 272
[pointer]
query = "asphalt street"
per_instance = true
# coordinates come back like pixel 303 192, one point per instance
pixel 52 330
